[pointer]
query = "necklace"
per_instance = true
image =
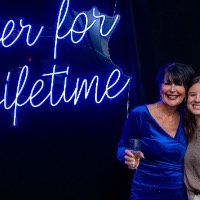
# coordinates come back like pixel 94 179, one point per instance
pixel 162 119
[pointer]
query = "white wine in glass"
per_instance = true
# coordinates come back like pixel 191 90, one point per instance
pixel 135 147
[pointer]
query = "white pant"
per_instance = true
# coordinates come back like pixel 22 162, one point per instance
pixel 191 196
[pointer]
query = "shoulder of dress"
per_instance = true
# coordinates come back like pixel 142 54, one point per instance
pixel 181 111
pixel 139 109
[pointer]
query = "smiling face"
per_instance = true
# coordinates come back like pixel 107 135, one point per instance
pixel 172 93
pixel 193 100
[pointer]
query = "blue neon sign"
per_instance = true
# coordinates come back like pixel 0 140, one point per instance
pixel 36 94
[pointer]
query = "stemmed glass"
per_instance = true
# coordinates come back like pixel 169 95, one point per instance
pixel 135 148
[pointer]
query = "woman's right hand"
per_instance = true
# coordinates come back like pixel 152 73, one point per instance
pixel 132 160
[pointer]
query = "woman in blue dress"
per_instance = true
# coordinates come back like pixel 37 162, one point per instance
pixel 163 144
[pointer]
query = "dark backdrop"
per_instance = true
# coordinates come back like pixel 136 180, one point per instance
pixel 69 152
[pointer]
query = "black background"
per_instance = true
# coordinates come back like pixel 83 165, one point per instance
pixel 69 152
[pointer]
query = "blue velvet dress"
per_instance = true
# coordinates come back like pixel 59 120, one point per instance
pixel 160 174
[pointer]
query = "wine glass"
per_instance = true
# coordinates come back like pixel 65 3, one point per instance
pixel 135 148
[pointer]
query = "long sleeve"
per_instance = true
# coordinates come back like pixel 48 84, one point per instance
pixel 130 130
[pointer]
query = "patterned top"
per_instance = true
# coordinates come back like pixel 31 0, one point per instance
pixel 192 163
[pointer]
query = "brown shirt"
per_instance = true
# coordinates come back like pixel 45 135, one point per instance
pixel 192 163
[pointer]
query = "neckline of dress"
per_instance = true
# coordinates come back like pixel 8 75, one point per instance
pixel 146 106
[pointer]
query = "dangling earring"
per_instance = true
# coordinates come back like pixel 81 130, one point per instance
pixel 159 97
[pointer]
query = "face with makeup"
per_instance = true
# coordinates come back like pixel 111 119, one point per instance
pixel 193 101
pixel 172 92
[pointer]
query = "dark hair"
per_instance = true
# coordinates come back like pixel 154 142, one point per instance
pixel 189 122
pixel 180 73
